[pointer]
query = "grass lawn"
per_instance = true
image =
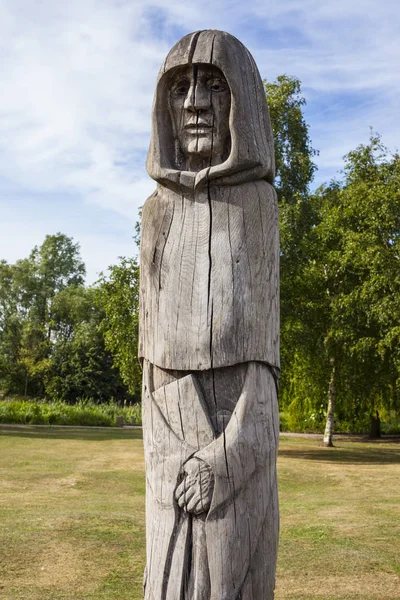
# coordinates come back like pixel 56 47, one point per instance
pixel 72 517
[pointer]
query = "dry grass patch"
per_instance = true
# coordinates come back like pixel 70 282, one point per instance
pixel 340 521
pixel 71 514
pixel 72 517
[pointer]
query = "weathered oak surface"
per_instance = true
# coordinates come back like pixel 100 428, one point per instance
pixel 209 329
pixel 209 278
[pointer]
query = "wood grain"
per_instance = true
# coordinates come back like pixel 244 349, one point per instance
pixel 209 329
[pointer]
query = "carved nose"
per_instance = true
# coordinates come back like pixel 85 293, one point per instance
pixel 198 98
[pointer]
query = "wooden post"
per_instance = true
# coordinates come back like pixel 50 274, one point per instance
pixel 209 328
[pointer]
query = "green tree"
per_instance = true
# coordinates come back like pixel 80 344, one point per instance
pixel 55 265
pixel 351 290
pixel 50 342
pixel 11 329
pixel 295 168
pixel 293 150
pixel 118 296
pixel 50 268
pixel 367 221
pixel 81 366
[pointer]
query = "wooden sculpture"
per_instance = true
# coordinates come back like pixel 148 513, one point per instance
pixel 209 328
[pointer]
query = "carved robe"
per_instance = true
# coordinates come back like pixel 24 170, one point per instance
pixel 209 342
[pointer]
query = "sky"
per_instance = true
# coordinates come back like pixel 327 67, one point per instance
pixel 77 82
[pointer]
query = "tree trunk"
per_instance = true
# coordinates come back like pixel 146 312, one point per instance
pixel 330 417
pixel 375 427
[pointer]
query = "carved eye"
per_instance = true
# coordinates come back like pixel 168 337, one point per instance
pixel 181 87
pixel 217 85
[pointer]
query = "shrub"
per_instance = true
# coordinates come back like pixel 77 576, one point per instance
pixel 85 412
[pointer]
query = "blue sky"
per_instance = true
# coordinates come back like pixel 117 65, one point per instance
pixel 77 85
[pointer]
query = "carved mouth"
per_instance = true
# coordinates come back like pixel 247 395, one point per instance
pixel 198 128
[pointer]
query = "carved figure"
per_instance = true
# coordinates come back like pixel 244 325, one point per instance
pixel 209 328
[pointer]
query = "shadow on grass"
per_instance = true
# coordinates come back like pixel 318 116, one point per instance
pixel 341 454
pixel 69 433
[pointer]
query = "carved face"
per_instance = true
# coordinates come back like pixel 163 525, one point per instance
pixel 200 102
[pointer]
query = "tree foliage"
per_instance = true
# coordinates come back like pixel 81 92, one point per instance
pixel 50 339
pixel 118 296
pixel 295 170
pixel 293 150
pixel 340 293
pixel 349 290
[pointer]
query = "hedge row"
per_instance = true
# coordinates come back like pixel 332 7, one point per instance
pixel 31 412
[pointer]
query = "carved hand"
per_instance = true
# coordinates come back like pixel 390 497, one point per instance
pixel 194 493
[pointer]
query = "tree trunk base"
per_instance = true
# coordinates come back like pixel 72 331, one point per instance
pixel 375 427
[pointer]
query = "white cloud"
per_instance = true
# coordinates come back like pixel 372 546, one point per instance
pixel 76 98
pixel 347 56
pixel 78 77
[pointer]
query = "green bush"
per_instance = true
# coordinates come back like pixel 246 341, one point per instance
pixel 283 423
pixel 391 426
pixel 301 416
pixel 294 422
pixel 85 412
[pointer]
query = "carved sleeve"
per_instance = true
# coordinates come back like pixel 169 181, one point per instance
pixel 250 440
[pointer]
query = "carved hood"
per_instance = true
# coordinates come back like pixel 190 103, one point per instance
pixel 252 149
pixel 209 291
